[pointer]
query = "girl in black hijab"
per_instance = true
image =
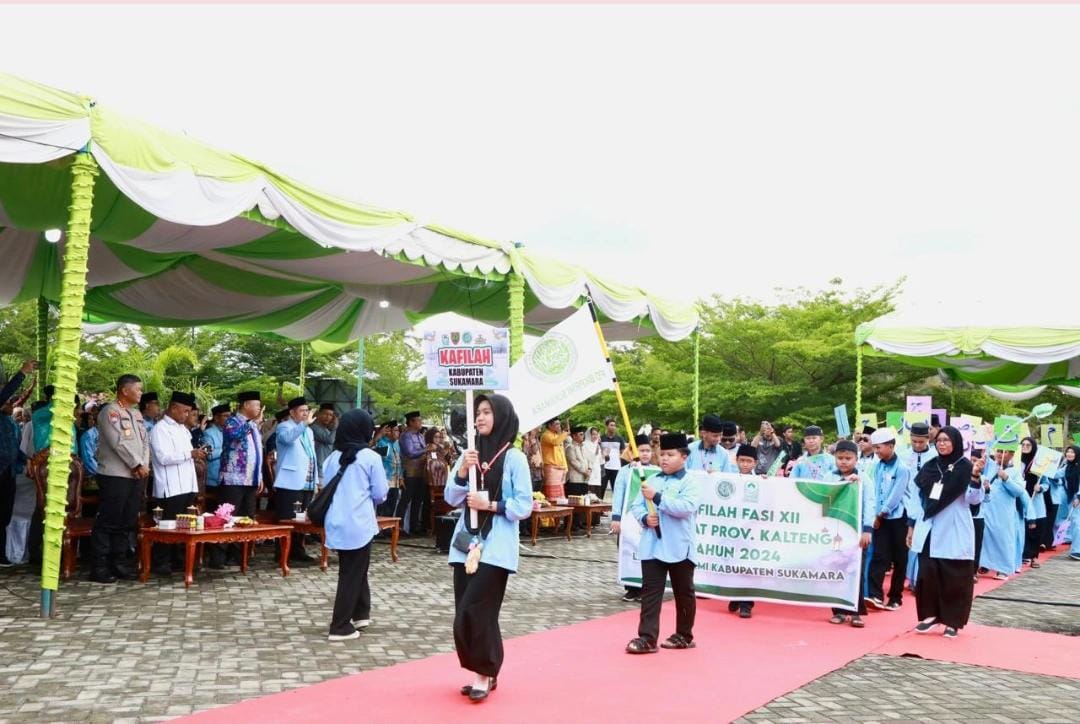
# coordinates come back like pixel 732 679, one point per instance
pixel 945 536
pixel 1033 537
pixel 1072 473
pixel 484 557
pixel 350 522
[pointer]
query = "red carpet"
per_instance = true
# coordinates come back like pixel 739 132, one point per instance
pixel 1032 652
pixel 581 672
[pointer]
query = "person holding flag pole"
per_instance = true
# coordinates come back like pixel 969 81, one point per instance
pixel 627 485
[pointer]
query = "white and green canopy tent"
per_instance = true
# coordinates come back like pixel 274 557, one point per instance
pixel 160 229
pixel 987 344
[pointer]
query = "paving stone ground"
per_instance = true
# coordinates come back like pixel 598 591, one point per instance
pixel 1056 589
pixel 149 651
pixel 889 688
pixel 145 652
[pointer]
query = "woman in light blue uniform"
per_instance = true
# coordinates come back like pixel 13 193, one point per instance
pixel 1038 489
pixel 350 521
pixel 1059 498
pixel 945 536
pixel 1074 528
pixel 503 498
pixel 999 552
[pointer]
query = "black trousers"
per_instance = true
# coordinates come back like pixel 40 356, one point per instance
pixel 7 505
pixel 415 499
pixel 1047 540
pixel 117 517
pixel 654 574
pixel 861 608
pixel 1032 538
pixel 285 509
pixel 353 599
pixel 980 530
pixel 170 508
pixel 242 499
pixel 391 506
pixel 945 589
pixel 477 601
pixel 607 477
pixel 890 547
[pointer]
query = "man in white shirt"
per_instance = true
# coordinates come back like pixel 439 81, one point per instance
pixel 173 460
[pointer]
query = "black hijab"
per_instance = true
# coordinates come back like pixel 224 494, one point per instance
pixel 1072 473
pixel 953 471
pixel 353 435
pixel 503 431
pixel 1030 479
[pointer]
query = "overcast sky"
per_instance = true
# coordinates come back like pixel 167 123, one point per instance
pixel 685 149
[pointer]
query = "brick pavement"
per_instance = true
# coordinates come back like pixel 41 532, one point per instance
pixel 887 688
pixel 1057 582
pixel 156 650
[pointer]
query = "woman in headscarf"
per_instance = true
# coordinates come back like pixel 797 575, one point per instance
pixel 1064 484
pixel 483 558
pixel 948 486
pixel 350 521
pixel 1038 489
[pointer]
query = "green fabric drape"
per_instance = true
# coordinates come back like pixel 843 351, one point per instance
pixel 66 364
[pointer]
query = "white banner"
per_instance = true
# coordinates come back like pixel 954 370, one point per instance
pixel 565 367
pixel 773 539
pixel 473 357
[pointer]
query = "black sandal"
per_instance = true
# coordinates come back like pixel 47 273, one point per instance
pixel 678 641
pixel 838 618
pixel 641 646
pixel 467 689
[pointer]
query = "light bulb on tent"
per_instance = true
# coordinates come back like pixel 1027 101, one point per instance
pixel 52 235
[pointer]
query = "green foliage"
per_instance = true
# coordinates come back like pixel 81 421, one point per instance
pixel 791 361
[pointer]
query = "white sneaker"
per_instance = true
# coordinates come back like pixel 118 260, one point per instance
pixel 359 623
pixel 343 637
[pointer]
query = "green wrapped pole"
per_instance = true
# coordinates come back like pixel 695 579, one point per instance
pixel 66 369
pixel 517 316
pixel 858 383
pixel 359 373
pixel 42 344
pixel 697 376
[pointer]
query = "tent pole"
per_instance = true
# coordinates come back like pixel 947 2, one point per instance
pixel 516 288
pixel 303 360
pixel 697 376
pixel 42 344
pixel 66 369
pixel 858 382
pixel 359 373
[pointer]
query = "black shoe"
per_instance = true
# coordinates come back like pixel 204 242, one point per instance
pixel 732 606
pixel 301 557
pixel 467 689
pixel 102 575
pixel 745 612
pixel 124 572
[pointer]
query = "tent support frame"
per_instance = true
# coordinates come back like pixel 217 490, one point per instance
pixel 65 370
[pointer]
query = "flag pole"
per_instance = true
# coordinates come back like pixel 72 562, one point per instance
pixel 618 393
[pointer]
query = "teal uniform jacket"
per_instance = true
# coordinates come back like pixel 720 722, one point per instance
pixel 891 481
pixel 502 542
pixel 715 460
pixel 677 498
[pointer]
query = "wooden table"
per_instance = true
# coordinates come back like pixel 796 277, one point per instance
pixel 565 514
pixel 392 524
pixel 192 539
pixel 306 527
pixel 588 510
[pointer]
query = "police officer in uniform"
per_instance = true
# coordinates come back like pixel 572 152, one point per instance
pixel 123 459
